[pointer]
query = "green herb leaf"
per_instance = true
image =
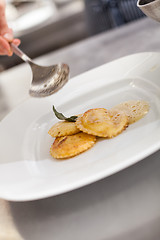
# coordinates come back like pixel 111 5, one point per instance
pixel 62 117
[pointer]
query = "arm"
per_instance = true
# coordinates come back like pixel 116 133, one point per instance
pixel 6 34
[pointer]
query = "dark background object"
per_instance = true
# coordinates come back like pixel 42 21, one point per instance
pixel 103 15
pixel 143 2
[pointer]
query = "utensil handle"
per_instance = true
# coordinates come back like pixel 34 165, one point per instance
pixel 20 54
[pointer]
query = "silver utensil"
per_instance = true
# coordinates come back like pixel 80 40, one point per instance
pixel 151 8
pixel 46 80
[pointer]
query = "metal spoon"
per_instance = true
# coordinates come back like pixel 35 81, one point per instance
pixel 45 80
pixel 150 8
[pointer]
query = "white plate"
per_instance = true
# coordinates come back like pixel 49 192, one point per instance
pixel 28 172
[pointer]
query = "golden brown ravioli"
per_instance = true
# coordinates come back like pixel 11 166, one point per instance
pixel 69 146
pixel 102 122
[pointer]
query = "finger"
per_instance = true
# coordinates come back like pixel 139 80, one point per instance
pixel 4 44
pixel 16 41
pixel 5 48
pixel 3 51
pixel 5 31
pixel 3 23
pixel 8 35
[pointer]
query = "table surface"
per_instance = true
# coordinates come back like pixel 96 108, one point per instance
pixel 123 206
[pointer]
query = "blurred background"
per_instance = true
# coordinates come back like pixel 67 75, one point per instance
pixel 47 25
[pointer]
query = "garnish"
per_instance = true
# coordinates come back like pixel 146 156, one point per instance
pixel 62 117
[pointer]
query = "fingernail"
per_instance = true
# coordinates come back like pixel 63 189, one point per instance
pixel 8 37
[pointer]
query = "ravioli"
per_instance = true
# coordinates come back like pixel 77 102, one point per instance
pixel 73 138
pixel 63 128
pixel 69 146
pixel 134 109
pixel 102 122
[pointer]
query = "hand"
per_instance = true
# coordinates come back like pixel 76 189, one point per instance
pixel 6 34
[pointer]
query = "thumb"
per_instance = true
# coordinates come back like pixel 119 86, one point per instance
pixel 4 30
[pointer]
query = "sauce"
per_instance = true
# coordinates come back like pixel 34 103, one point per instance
pixel 135 110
